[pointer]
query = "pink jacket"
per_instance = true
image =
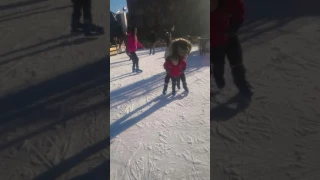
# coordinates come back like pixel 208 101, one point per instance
pixel 133 43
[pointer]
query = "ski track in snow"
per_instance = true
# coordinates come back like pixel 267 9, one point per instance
pixel 156 136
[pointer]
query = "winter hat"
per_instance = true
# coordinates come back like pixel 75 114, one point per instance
pixel 181 47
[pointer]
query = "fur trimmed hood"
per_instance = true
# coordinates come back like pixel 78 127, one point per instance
pixel 179 47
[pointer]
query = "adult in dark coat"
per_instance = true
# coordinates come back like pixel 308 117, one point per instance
pixel 152 40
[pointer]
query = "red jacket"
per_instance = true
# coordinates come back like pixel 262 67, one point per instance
pixel 227 17
pixel 175 71
pixel 133 43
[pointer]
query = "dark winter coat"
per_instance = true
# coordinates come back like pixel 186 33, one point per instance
pixel 152 37
pixel 168 36
pixel 225 21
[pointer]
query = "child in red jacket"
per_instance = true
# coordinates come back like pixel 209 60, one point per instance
pixel 178 49
pixel 133 45
pixel 174 68
pixel 226 17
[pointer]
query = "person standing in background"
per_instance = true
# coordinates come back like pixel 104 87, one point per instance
pixel 152 41
pixel 167 37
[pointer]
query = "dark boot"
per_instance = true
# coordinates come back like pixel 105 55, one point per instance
pixel 185 87
pixel 91 29
pixel 218 72
pixel 137 69
pixel 133 67
pixel 220 82
pixel 164 92
pixel 174 83
pixel 76 26
pixel 238 73
pixel 178 84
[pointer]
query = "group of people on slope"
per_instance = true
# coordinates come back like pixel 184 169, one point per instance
pixel 175 59
pixel 152 39
pixel 226 18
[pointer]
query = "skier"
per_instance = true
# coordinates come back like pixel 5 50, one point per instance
pixel 87 27
pixel 133 45
pixel 152 40
pixel 226 17
pixel 178 49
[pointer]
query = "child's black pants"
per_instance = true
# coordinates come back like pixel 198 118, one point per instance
pixel 135 61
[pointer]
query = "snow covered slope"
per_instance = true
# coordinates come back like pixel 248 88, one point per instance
pixel 155 136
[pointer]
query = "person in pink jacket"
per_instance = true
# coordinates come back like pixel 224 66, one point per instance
pixel 133 45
